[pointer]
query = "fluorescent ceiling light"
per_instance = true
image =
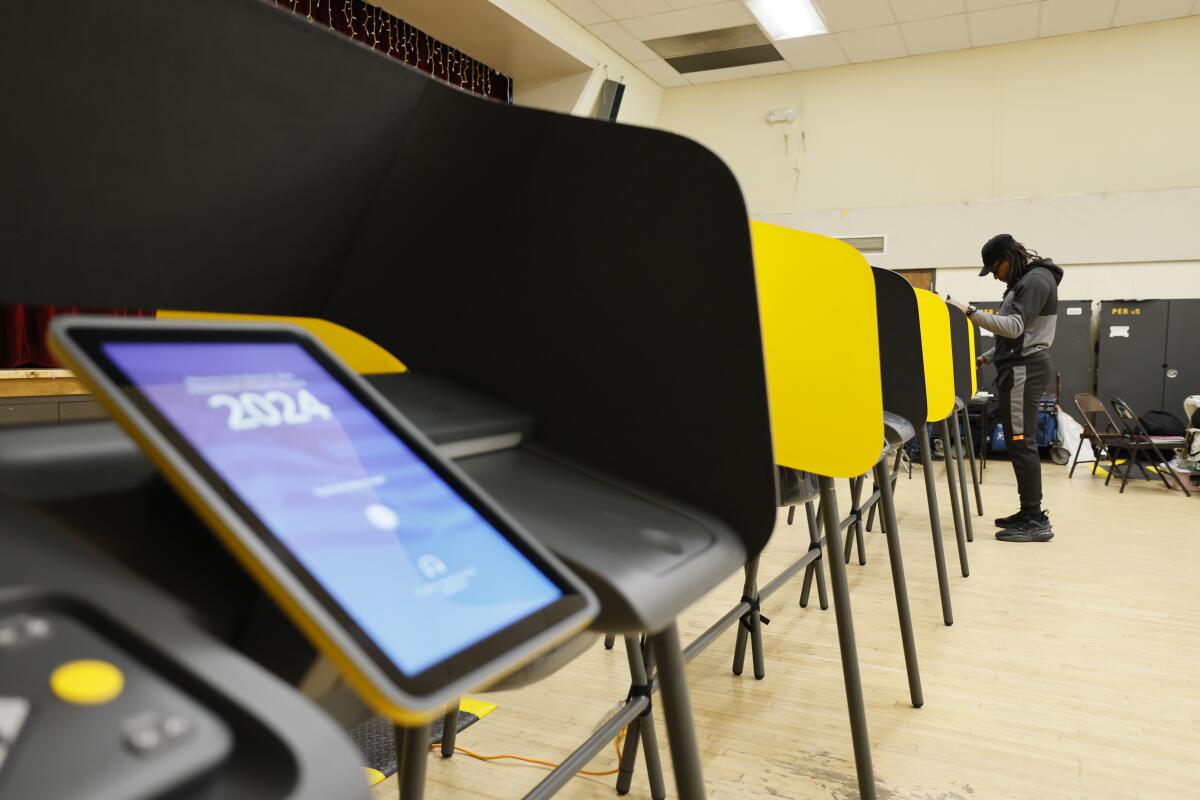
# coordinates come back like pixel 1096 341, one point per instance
pixel 788 19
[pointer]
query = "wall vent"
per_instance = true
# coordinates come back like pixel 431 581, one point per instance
pixel 870 245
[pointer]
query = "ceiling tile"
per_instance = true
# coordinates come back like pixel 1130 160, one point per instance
pixel 624 42
pixel 873 44
pixel 999 25
pixel 1133 12
pixel 980 5
pixel 662 73
pixel 849 15
pixel 1061 17
pixel 735 73
pixel 812 52
pixel 681 4
pixel 728 14
pixel 624 9
pixel 907 10
pixel 936 35
pixel 585 12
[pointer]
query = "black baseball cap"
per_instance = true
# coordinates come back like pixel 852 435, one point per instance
pixel 994 252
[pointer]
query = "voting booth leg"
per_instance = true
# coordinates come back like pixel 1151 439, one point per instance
pixel 628 755
pixel 975 476
pixel 412 751
pixel 935 522
pixel 895 475
pixel 948 451
pixel 856 485
pixel 449 731
pixel 960 460
pixel 677 712
pixel 791 514
pixel 610 639
pixel 750 626
pixel 888 523
pixel 814 569
pixel 640 729
pixel 849 649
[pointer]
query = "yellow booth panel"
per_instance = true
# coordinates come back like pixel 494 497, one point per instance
pixel 974 369
pixel 938 353
pixel 360 353
pixel 816 298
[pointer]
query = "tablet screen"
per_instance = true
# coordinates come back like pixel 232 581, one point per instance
pixel 419 570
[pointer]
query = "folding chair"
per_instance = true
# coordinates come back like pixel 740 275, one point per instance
pixel 1136 440
pixel 938 361
pixel 1089 406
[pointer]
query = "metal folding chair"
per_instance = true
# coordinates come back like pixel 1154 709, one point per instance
pixel 1089 406
pixel 1136 440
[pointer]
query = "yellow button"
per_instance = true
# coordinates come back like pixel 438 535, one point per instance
pixel 87 682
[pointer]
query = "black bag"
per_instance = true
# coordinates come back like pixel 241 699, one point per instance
pixel 1162 423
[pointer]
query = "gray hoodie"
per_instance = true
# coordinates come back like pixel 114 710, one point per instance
pixel 1027 317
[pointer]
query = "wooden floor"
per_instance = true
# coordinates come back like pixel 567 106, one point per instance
pixel 1072 669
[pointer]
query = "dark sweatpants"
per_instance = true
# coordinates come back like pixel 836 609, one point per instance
pixel 1018 389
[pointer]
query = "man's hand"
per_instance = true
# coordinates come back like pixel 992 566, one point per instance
pixel 980 361
pixel 959 305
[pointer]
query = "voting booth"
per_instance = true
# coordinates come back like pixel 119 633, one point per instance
pixel 597 438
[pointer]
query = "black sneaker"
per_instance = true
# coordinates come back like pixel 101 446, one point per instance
pixel 1032 529
pixel 1014 520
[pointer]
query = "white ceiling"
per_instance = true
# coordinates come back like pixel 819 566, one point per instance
pixel 860 30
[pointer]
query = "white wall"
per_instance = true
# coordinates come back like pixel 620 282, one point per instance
pixel 1115 110
pixel 1143 281
pixel 1087 147
pixel 641 101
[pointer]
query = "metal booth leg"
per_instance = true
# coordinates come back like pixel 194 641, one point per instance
pixel 750 626
pixel 948 452
pixel 888 521
pixel 449 731
pixel 856 485
pixel 814 569
pixel 610 639
pixel 642 728
pixel 677 711
pixel 935 523
pixel 849 650
pixel 412 751
pixel 974 468
pixel 895 474
pixel 962 478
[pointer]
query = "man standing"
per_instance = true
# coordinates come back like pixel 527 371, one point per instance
pixel 1024 326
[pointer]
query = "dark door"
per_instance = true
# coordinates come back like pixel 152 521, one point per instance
pixel 920 278
pixel 1133 341
pixel 1072 349
pixel 1181 368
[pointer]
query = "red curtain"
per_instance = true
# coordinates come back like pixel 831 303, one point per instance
pixel 23 332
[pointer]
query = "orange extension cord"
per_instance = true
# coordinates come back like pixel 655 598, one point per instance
pixel 539 762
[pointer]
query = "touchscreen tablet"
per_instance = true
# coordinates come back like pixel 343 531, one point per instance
pixel 384 551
